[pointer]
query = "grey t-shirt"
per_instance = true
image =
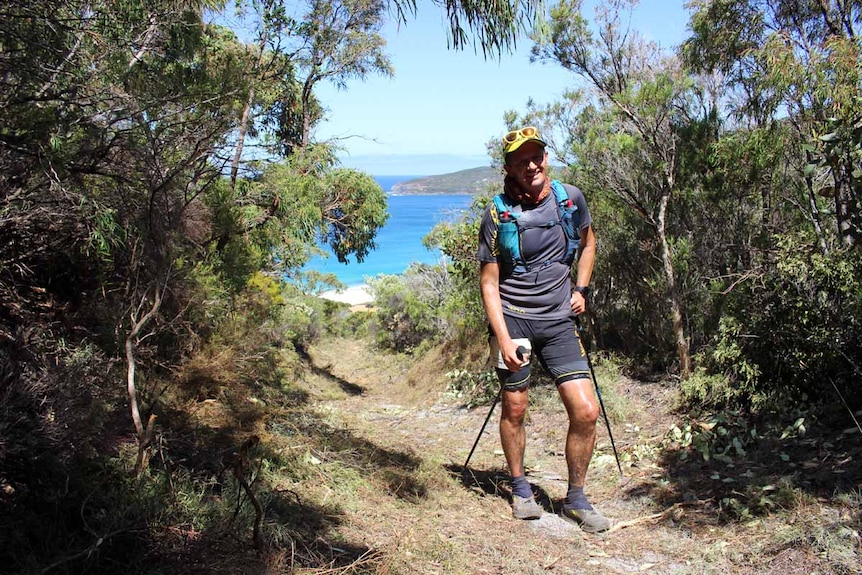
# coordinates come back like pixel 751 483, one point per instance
pixel 545 290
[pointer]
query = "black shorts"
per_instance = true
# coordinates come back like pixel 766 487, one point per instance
pixel 555 343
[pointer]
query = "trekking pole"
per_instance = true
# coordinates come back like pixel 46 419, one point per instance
pixel 599 394
pixel 481 431
pixel 521 351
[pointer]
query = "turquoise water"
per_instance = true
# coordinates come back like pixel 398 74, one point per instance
pixel 399 242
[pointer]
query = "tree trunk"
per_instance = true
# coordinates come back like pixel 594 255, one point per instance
pixel 240 140
pixel 307 89
pixel 846 210
pixel 246 114
pixel 814 211
pixel 676 315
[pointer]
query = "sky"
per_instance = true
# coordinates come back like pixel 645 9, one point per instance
pixel 441 107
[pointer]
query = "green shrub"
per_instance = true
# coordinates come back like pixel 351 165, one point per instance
pixel 408 307
pixel 473 388
pixel 796 328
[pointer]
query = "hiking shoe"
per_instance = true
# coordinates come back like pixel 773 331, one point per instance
pixel 526 508
pixel 588 520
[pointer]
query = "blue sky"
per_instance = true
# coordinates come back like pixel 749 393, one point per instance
pixel 442 106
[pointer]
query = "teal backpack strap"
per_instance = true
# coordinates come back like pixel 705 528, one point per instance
pixel 508 236
pixel 501 204
pixel 570 219
pixel 560 192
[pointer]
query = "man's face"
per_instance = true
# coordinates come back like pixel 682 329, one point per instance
pixel 528 165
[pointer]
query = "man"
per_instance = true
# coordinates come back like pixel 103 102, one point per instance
pixel 528 297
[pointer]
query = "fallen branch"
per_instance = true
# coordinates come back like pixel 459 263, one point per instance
pixel 655 516
pixel 88 551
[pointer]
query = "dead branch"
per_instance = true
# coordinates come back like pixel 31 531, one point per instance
pixel 366 559
pixel 88 551
pixel 137 326
pixel 656 516
pixel 239 462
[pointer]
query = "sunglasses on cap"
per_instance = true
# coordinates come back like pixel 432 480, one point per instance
pixel 528 132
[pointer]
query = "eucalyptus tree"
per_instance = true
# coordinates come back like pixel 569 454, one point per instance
pixel 340 41
pixel 298 46
pixel 639 104
pixel 790 76
pixel 115 120
pixel 270 219
pixel 111 113
pixel 491 26
pixel 796 63
pixel 294 48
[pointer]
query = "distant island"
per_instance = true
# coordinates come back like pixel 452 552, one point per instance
pixel 469 182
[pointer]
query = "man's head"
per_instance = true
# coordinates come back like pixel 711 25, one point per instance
pixel 526 162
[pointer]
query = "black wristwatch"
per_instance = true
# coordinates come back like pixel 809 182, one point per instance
pixel 584 291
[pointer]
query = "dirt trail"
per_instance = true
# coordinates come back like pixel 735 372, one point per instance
pixel 432 518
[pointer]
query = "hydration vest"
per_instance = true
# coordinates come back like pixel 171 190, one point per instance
pixel 509 232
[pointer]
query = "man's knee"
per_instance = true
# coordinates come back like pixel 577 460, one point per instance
pixel 515 414
pixel 580 401
pixel 515 406
pixel 587 414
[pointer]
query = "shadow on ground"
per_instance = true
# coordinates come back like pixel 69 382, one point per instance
pixel 325 372
pixel 762 476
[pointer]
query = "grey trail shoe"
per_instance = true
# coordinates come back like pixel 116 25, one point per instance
pixel 526 508
pixel 588 520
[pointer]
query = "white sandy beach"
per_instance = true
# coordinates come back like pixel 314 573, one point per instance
pixel 354 295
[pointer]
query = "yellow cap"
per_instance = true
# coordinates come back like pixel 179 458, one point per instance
pixel 517 138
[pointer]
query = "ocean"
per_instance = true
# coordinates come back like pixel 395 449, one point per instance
pixel 399 242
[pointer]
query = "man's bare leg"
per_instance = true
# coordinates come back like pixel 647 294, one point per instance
pixel 583 411
pixel 513 437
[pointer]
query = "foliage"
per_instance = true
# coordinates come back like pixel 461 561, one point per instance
pixel 459 241
pixel 123 243
pixel 78 507
pixel 440 302
pixel 759 500
pixel 694 194
pixel 495 26
pixel 716 389
pixel 276 221
pixel 724 436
